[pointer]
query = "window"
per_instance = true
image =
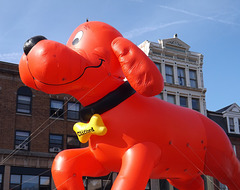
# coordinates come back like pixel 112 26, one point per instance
pixel 2 169
pixel 195 104
pixel 22 140
pixel 30 182
pixel 73 142
pixel 56 108
pixel 169 74
pixel 193 78
pixel 92 183
pixel 158 66
pixel 55 143
pixel 181 76
pixel 24 100
pixel 30 178
pixel 15 182
pixel 171 99
pixel 1 178
pixel 163 184
pixel 183 101
pixel 44 183
pixel 73 111
pixel 231 125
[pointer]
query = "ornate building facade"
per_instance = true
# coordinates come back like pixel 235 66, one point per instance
pixel 181 70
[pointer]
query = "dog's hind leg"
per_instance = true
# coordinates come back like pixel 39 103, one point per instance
pixel 137 165
pixel 225 168
pixel 220 159
pixel 70 165
pixel 196 183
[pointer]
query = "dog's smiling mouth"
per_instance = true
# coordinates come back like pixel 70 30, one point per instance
pixel 88 67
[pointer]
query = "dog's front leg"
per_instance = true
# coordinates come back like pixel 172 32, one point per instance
pixel 70 165
pixel 137 165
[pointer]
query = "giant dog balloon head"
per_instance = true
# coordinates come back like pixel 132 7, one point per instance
pixel 71 68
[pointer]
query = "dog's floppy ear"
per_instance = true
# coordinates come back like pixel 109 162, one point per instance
pixel 142 74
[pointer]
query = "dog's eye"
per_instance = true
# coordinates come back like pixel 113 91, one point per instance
pixel 77 38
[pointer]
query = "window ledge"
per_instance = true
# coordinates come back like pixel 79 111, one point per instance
pixel 57 118
pixel 231 134
pixel 74 120
pixel 185 87
pixel 24 114
pixel 28 153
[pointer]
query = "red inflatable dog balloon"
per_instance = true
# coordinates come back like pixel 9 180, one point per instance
pixel 129 131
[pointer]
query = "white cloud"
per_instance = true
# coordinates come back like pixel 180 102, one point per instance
pixel 140 31
pixel 212 18
pixel 13 57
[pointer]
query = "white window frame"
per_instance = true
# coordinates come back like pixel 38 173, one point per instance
pixel 236 124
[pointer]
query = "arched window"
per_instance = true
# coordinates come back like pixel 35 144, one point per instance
pixel 24 100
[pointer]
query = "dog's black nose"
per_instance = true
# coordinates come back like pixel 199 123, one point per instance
pixel 28 45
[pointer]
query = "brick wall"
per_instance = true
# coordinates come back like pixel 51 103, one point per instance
pixel 10 121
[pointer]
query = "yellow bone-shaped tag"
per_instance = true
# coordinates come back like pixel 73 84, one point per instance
pixel 94 127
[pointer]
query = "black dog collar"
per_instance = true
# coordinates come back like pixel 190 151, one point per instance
pixel 107 102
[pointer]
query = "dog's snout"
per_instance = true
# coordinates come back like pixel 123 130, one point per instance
pixel 28 45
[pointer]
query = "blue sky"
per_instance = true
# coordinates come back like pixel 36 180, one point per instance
pixel 210 27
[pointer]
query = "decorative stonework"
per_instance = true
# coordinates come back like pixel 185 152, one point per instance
pixel 175 43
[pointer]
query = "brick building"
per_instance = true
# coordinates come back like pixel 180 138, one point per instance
pixel 34 127
pixel 229 119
